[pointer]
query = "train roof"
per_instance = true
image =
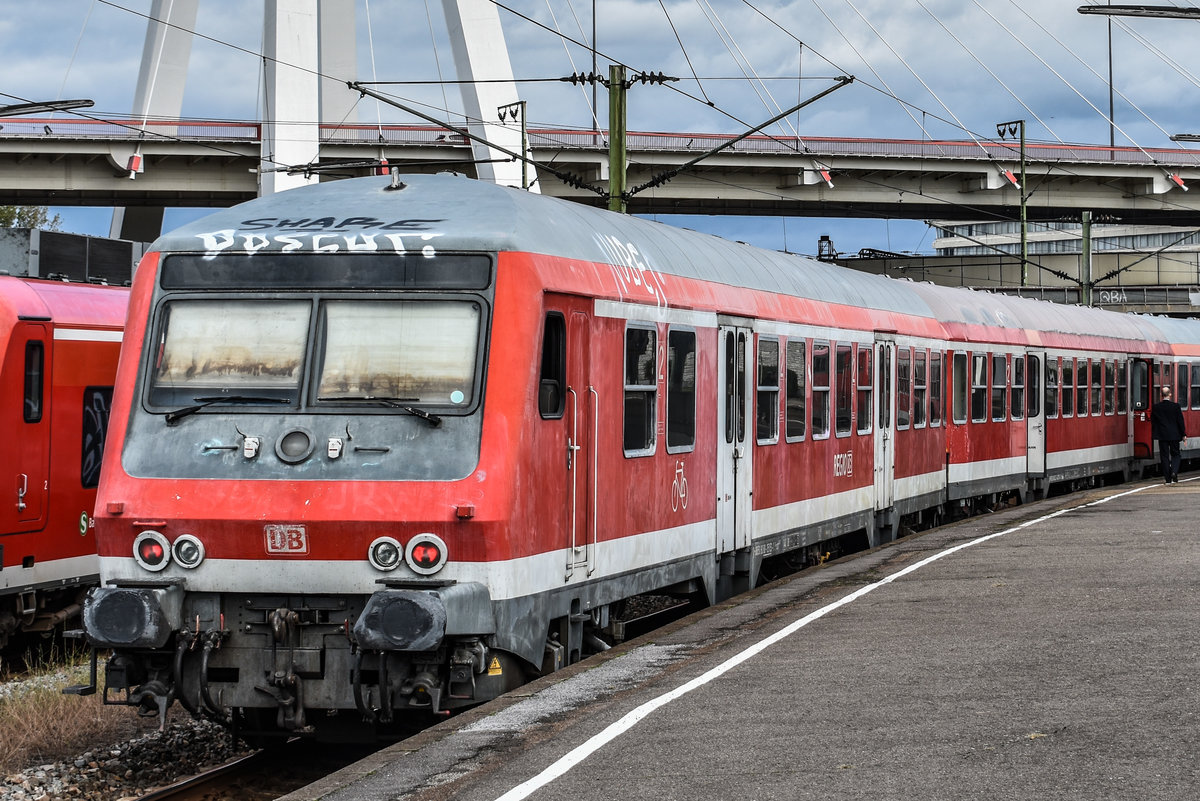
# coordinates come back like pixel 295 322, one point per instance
pixel 463 214
pixel 452 213
pixel 66 304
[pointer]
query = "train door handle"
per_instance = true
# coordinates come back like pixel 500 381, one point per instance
pixel 571 448
pixel 21 491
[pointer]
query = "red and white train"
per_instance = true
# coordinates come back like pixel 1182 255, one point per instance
pixel 60 344
pixel 397 444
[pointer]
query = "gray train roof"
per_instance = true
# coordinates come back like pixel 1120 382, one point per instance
pixel 463 214
pixel 458 214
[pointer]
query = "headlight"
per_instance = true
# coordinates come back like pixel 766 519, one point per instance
pixel 188 551
pixel 385 554
pixel 152 551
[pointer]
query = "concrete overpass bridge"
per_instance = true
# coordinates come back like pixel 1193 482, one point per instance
pixel 188 163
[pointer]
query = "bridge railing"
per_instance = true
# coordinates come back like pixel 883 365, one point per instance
pixel 570 139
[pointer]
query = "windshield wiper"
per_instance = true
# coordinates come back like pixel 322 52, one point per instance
pixel 201 402
pixel 392 403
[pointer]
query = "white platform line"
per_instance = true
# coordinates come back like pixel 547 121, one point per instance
pixel 615 730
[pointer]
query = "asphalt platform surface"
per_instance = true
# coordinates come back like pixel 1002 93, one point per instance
pixel 1045 651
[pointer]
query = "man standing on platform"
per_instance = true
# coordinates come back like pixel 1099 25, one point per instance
pixel 1167 426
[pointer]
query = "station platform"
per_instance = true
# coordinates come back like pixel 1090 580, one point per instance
pixel 1045 651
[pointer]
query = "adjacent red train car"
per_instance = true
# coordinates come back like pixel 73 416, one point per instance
pixel 396 445
pixel 60 344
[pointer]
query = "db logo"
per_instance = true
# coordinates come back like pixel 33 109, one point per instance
pixel 286 538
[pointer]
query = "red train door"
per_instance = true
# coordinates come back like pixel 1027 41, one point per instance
pixel 1141 388
pixel 581 422
pixel 734 459
pixel 885 429
pixel 1035 421
pixel 26 412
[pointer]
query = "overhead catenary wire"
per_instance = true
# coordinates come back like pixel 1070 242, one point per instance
pixel 904 104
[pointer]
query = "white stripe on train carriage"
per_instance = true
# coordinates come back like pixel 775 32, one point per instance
pixel 505 579
pixel 54 570
pixel 622 310
pixel 631 718
pixel 86 335
pixel 916 486
pixel 1101 453
pixel 989 468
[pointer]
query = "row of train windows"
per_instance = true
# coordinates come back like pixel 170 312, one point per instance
pixel 829 387
pixel 1086 387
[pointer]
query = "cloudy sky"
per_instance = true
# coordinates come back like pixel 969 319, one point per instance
pixel 924 68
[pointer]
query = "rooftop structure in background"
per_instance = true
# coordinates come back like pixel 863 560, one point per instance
pixel 34 253
pixel 989 238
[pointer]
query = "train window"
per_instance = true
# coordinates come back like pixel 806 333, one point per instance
pixel 920 388
pixel 1181 394
pixel 1110 386
pixel 797 372
pixel 741 384
pixel 1140 385
pixel 999 385
pixel 1122 387
pixel 1052 387
pixel 97 401
pixel 845 389
pixel 979 387
pixel 253 348
pixel 1097 385
pixel 552 381
pixel 864 390
pixel 935 388
pixel 641 390
pixel 35 379
pixel 1068 387
pixel 418 351
pixel 1016 408
pixel 681 390
pixel 767 401
pixel 820 390
pixel 884 371
pixel 903 387
pixel 1033 391
pixel 959 376
pixel 1081 387
pixel 1195 396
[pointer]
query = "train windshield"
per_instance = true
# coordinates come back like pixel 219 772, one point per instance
pixel 240 347
pixel 419 351
pixel 376 352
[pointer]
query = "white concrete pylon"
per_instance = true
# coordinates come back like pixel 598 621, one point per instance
pixel 481 61
pixel 290 133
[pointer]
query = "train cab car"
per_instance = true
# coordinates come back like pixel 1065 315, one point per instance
pixel 60 344
pixel 394 445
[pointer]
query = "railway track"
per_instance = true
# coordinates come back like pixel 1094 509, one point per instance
pixel 263 775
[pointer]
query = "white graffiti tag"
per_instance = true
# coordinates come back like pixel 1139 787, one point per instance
pixel 631 270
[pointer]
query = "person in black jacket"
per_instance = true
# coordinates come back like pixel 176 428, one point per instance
pixel 1167 426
